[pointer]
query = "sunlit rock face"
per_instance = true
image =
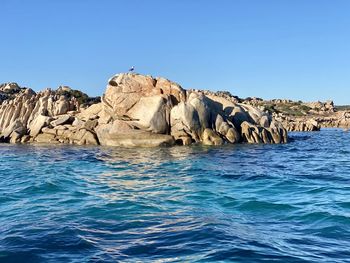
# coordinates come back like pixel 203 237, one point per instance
pixel 26 112
pixel 138 104
pixel 135 111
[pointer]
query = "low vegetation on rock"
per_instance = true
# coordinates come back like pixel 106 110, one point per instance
pixel 305 116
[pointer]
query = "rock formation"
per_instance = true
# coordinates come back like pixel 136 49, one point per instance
pixel 303 116
pixel 136 110
pixel 298 124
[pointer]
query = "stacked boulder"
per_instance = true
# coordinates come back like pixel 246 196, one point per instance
pixel 31 116
pixel 147 111
pixel 297 124
pixel 302 125
pixel 321 107
pixel 136 110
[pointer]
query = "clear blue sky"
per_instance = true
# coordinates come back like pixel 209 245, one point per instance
pixel 297 49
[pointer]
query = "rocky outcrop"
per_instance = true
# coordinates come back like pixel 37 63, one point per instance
pixel 301 125
pixel 298 124
pixel 28 112
pixel 136 111
pixel 339 119
pixel 141 104
pixel 320 107
pixel 215 120
pixel 302 116
pixel 296 115
pixel 8 90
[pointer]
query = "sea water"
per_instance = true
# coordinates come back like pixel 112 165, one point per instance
pixel 240 203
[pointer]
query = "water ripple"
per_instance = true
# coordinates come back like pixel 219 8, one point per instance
pixel 240 203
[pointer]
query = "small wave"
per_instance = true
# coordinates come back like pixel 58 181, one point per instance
pixel 46 187
pixel 260 206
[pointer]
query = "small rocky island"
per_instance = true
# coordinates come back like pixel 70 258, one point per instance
pixel 136 110
pixel 304 116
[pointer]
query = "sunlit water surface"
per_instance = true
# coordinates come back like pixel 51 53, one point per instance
pixel 241 203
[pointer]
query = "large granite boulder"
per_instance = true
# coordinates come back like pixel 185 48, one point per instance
pixel 185 123
pixel 124 91
pixel 120 133
pixel 212 119
pixel 37 124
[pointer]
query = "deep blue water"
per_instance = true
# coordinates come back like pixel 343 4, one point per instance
pixel 240 203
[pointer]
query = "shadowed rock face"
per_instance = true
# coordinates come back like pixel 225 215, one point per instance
pixel 138 111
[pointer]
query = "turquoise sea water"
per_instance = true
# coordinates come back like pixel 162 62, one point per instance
pixel 239 203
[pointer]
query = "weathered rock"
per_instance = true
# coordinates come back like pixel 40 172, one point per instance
pixel 16 137
pixel 65 119
pixel 78 122
pixel 301 125
pixel 119 133
pixel 15 127
pixel 264 121
pixel 227 129
pixel 62 106
pixel 255 134
pixel 172 89
pixel 10 88
pixel 202 106
pixel 25 139
pixel 70 127
pixel 136 110
pixel 135 138
pixel 278 132
pixel 143 100
pixel 251 133
pixel 60 127
pixel 88 138
pixel 49 131
pixel 151 114
pixel 125 90
pixel 90 112
pixel 229 119
pixel 46 138
pixel 301 116
pixel 185 122
pixel 209 137
pixel 90 124
pixel 37 124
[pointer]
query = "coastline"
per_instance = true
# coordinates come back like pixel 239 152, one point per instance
pixel 136 111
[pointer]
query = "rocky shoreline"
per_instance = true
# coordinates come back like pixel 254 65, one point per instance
pixel 135 111
pixel 305 116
